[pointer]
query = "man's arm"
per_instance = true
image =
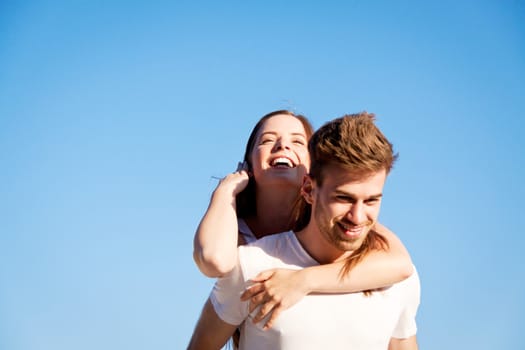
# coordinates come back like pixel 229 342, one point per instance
pixel 211 333
pixel 403 344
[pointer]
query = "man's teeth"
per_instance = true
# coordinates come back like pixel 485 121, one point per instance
pixel 352 228
pixel 282 161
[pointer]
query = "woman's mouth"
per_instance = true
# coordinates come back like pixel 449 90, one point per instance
pixel 282 162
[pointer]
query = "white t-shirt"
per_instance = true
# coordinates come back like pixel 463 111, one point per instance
pixel 245 231
pixel 327 321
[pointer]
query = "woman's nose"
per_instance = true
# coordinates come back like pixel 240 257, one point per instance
pixel 282 144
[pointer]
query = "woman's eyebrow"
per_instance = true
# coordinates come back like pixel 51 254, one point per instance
pixel 275 133
pixel 269 132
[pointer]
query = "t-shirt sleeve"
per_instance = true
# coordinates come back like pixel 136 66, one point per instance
pixel 226 297
pixel 406 325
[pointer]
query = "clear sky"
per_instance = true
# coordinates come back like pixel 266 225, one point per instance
pixel 115 117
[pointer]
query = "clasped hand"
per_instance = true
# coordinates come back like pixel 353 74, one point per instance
pixel 274 291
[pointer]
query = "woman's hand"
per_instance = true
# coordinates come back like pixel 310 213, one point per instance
pixel 235 182
pixel 274 291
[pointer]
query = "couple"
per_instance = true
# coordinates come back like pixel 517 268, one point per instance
pixel 297 289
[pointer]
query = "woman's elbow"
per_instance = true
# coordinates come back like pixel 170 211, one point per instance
pixel 213 265
pixel 406 269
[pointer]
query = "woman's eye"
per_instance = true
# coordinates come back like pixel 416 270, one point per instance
pixel 299 142
pixel 264 141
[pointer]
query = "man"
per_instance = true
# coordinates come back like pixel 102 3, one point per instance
pixel 350 160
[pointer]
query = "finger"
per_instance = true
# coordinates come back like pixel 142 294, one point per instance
pixel 275 313
pixel 246 167
pixel 263 311
pixel 257 300
pixel 263 276
pixel 251 291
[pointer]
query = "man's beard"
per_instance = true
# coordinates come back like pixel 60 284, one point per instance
pixel 333 231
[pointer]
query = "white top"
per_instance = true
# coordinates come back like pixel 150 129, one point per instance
pixel 327 321
pixel 245 231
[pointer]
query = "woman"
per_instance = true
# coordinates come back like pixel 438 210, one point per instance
pixel 259 200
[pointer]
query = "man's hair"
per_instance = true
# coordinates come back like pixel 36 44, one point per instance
pixel 355 144
pixel 352 142
pixel 246 199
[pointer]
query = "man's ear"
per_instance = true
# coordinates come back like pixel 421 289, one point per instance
pixel 307 189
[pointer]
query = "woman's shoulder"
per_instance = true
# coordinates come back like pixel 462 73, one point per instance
pixel 245 233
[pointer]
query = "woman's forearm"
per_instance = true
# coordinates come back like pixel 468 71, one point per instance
pixel 380 268
pixel 276 290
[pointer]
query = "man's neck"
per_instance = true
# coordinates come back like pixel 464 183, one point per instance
pixel 318 247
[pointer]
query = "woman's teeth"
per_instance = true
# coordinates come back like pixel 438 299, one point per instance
pixel 282 162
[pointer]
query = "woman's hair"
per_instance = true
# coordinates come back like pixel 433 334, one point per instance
pixel 355 144
pixel 245 201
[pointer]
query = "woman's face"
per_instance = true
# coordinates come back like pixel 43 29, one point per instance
pixel 280 153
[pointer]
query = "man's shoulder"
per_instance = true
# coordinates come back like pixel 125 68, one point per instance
pixel 268 252
pixel 410 285
pixel 270 241
pixel 412 279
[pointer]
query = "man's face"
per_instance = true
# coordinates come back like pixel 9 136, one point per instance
pixel 346 206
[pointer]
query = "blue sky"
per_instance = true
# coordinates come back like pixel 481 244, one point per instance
pixel 115 117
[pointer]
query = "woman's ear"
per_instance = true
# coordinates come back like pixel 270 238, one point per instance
pixel 307 189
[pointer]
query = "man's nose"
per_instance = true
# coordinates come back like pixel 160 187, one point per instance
pixel 356 214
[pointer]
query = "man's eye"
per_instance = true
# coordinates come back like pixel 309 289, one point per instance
pixel 299 142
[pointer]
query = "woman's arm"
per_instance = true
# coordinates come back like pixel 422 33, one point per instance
pixel 378 269
pixel 215 242
pixel 278 289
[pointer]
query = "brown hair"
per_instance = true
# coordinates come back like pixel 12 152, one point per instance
pixel 354 143
pixel 245 201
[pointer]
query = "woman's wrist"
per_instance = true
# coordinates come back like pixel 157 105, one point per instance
pixel 223 193
pixel 306 282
